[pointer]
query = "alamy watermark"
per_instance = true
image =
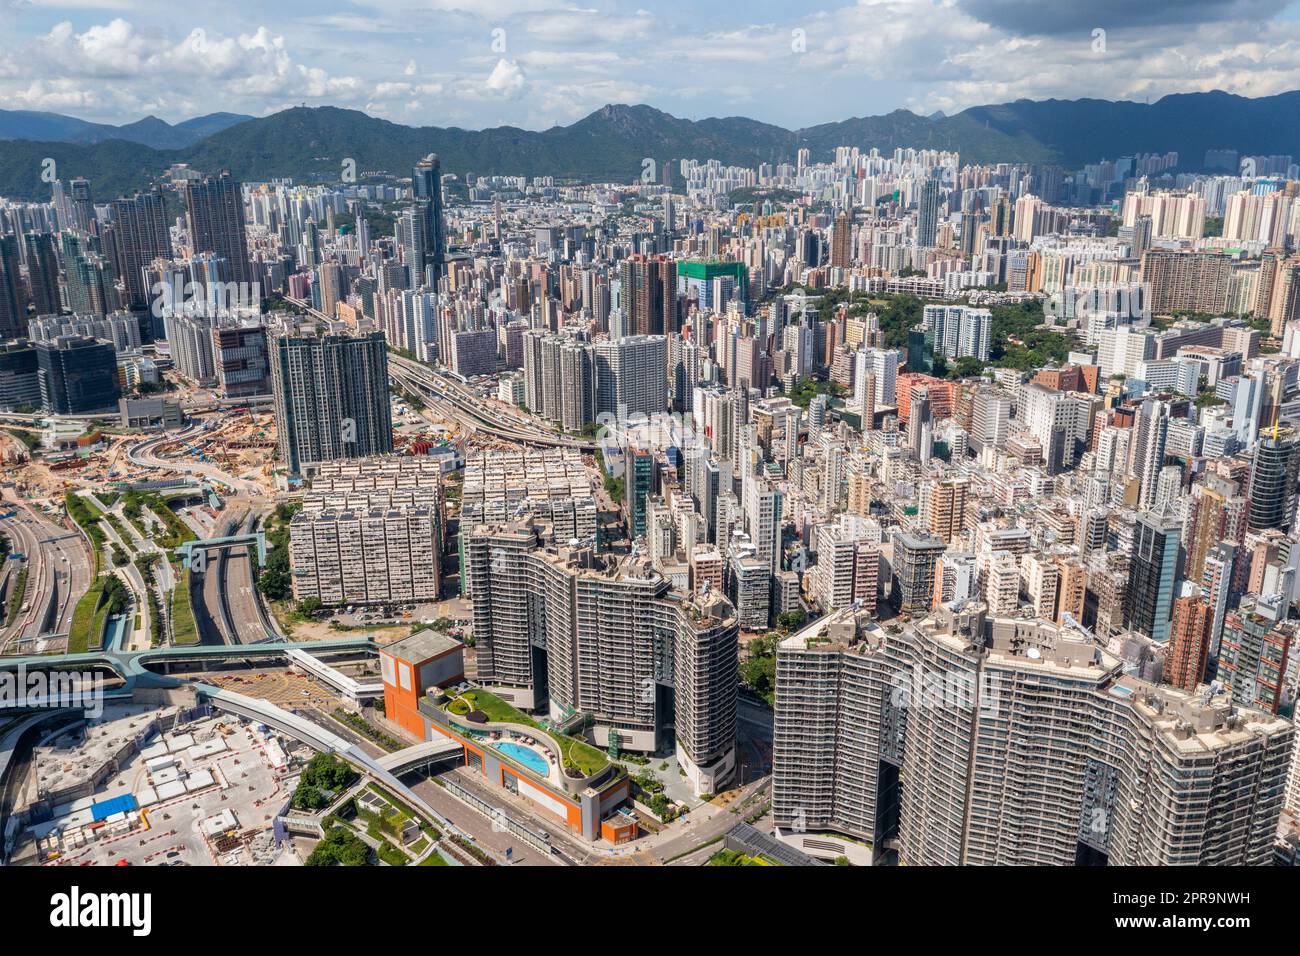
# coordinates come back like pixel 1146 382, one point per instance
pixel 654 430
pixel 1123 301
pixel 204 298
pixel 52 689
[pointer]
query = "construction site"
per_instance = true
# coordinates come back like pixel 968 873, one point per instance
pixel 157 786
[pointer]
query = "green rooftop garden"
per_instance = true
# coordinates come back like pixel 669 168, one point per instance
pixel 576 754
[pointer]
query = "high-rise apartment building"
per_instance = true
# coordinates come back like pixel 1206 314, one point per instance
pixel 140 235
pixel 560 378
pixel 1254 652
pixel 216 218
pixel 842 242
pixel 914 562
pixel 1186 281
pixel 609 639
pixel 967 740
pixel 959 331
pixel 43 272
pixel 13 299
pixel 1189 642
pixel 945 507
pixel 632 375
pixel 927 212
pixel 648 295
pixel 331 397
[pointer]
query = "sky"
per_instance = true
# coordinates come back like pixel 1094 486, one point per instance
pixel 539 63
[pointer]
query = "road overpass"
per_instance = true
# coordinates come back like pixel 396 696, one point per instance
pixel 471 408
pixel 349 687
pixel 324 740
pixel 132 666
pixel 422 755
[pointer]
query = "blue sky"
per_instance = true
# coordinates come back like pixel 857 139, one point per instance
pixel 536 63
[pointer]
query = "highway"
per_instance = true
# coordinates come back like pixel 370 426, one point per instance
pixel 59 564
pixel 143 455
pixel 230 583
pixel 470 409
pixel 463 405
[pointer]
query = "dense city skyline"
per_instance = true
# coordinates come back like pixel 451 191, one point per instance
pixel 912 491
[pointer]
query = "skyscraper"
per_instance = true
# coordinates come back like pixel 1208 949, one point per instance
pixel 13 302
pixel 216 218
pixel 43 271
pixel 427 241
pixel 82 206
pixel 140 235
pixel 638 486
pixel 1152 573
pixel 1273 479
pixel 927 212
pixel 331 398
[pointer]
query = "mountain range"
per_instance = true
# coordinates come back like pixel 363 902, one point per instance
pixel 610 145
pixel 150 131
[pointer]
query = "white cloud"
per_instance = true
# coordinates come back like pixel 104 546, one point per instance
pixel 506 80
pixel 433 61
pixel 116 67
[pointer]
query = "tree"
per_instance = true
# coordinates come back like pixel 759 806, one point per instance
pixel 966 367
pixel 307 797
pixel 758 670
pixel 327 772
pixel 340 847
pixel 273 581
pixel 790 620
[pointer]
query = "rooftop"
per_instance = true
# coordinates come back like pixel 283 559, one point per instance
pixel 421 646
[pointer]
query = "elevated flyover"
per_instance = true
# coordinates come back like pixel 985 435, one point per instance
pixel 422 755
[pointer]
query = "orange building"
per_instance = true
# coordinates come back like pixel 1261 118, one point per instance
pixel 1189 643
pixel 588 806
pixel 943 394
pixel 411 666
pixel 619 828
pixel 1070 378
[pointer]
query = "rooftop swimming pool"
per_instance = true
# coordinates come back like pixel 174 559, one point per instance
pixel 525 755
